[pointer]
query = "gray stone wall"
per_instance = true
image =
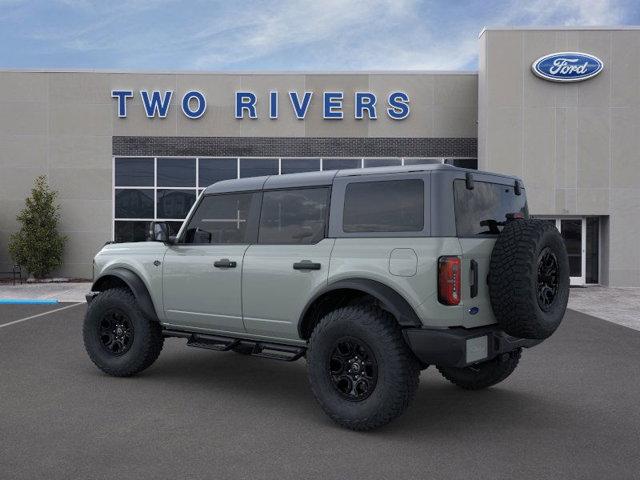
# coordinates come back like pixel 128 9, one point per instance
pixel 576 145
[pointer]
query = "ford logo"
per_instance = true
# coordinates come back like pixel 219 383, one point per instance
pixel 567 66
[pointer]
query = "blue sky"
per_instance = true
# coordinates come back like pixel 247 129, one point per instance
pixel 274 35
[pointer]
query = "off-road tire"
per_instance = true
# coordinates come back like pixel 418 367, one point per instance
pixel 514 279
pixel 398 371
pixel 483 375
pixel 147 335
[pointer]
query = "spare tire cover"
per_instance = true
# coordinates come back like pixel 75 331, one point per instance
pixel 529 279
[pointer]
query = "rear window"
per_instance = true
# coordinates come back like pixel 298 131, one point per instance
pixel 384 206
pixel 483 210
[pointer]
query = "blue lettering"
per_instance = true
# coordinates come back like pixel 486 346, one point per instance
pixel 273 105
pixel 398 105
pixel 332 105
pixel 122 96
pixel 200 100
pixel 156 105
pixel 300 109
pixel 246 101
pixel 365 101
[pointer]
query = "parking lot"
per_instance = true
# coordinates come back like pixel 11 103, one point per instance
pixel 571 410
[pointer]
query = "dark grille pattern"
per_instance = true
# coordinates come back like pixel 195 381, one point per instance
pixel 295 146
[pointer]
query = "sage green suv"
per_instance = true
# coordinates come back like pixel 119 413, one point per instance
pixel 371 275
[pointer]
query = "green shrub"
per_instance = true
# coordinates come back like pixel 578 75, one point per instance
pixel 37 246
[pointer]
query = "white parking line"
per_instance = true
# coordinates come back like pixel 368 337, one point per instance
pixel 40 314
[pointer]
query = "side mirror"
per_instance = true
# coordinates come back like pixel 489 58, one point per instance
pixel 159 232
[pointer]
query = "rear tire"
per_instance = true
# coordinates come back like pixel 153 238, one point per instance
pixel 118 337
pixel 360 369
pixel 483 375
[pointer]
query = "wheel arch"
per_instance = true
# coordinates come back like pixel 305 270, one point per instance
pixel 123 277
pixel 345 291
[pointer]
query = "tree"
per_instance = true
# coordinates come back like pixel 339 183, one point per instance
pixel 38 246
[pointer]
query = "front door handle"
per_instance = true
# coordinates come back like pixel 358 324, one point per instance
pixel 306 265
pixel 224 263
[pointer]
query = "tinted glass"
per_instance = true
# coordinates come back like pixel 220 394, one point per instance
pixel 175 203
pixel 299 165
pixel 421 161
pixel 483 210
pixel 339 163
pixel 294 216
pixel 388 206
pixel 131 231
pixel 471 163
pixel 134 203
pixel 381 162
pixel 258 167
pixel 221 219
pixel 593 239
pixel 212 170
pixel 176 172
pixel 134 172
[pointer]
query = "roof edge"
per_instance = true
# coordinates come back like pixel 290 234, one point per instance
pixel 560 27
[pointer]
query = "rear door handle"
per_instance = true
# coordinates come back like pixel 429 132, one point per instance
pixel 306 265
pixel 474 279
pixel 224 263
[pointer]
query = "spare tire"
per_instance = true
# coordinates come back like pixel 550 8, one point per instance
pixel 529 279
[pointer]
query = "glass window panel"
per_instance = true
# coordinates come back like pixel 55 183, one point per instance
pixel 299 165
pixel 399 206
pixel 421 161
pixel 340 163
pixel 381 162
pixel 471 163
pixel 593 247
pixel 571 231
pixel 212 170
pixel 258 167
pixel 174 227
pixel 176 172
pixel 134 172
pixel 134 203
pixel 294 216
pixel 175 203
pixel 483 210
pixel 131 231
pixel 222 219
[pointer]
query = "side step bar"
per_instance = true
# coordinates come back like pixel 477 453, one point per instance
pixel 255 348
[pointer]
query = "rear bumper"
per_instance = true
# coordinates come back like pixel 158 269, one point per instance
pixel 460 347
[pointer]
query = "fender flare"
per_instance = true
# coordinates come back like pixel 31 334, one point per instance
pixel 135 284
pixel 389 299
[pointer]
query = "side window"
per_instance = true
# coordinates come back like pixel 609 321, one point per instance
pixel 224 218
pixel 384 206
pixel 297 216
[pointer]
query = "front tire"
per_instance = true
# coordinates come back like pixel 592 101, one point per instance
pixel 483 375
pixel 119 339
pixel 361 371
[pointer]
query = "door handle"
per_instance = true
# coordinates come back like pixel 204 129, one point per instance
pixel 224 263
pixel 474 279
pixel 306 265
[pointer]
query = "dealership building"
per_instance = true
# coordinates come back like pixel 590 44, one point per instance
pixel 559 107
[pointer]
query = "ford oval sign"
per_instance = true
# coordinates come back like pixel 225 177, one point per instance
pixel 567 66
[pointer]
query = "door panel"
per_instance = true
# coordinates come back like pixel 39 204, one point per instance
pixel 199 294
pixel 274 292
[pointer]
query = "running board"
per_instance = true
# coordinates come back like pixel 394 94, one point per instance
pixel 255 348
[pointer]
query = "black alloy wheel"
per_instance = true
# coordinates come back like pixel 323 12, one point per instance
pixel 353 369
pixel 116 332
pixel 547 278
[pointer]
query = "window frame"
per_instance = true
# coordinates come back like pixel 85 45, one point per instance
pixel 336 218
pixel 253 219
pixel 325 232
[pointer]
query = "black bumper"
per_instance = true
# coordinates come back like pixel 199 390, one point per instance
pixel 460 347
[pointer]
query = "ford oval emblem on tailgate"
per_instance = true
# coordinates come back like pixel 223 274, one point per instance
pixel 567 66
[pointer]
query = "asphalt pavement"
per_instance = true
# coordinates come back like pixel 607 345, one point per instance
pixel 570 410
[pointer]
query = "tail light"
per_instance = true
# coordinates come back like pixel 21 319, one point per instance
pixel 449 280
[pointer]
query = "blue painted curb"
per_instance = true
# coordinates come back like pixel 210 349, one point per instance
pixel 26 301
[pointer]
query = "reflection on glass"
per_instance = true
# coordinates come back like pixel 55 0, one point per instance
pixel 381 162
pixel 175 203
pixel 134 203
pixel 134 172
pixel 571 231
pixel 176 172
pixel 258 167
pixel 299 165
pixel 593 240
pixel 212 170
pixel 340 163
pixel 131 231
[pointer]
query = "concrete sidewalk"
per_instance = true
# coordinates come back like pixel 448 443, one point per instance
pixel 63 292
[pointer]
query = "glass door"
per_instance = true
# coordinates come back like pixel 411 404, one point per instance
pixel 573 231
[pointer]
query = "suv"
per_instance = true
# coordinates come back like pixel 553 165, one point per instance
pixel 371 275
